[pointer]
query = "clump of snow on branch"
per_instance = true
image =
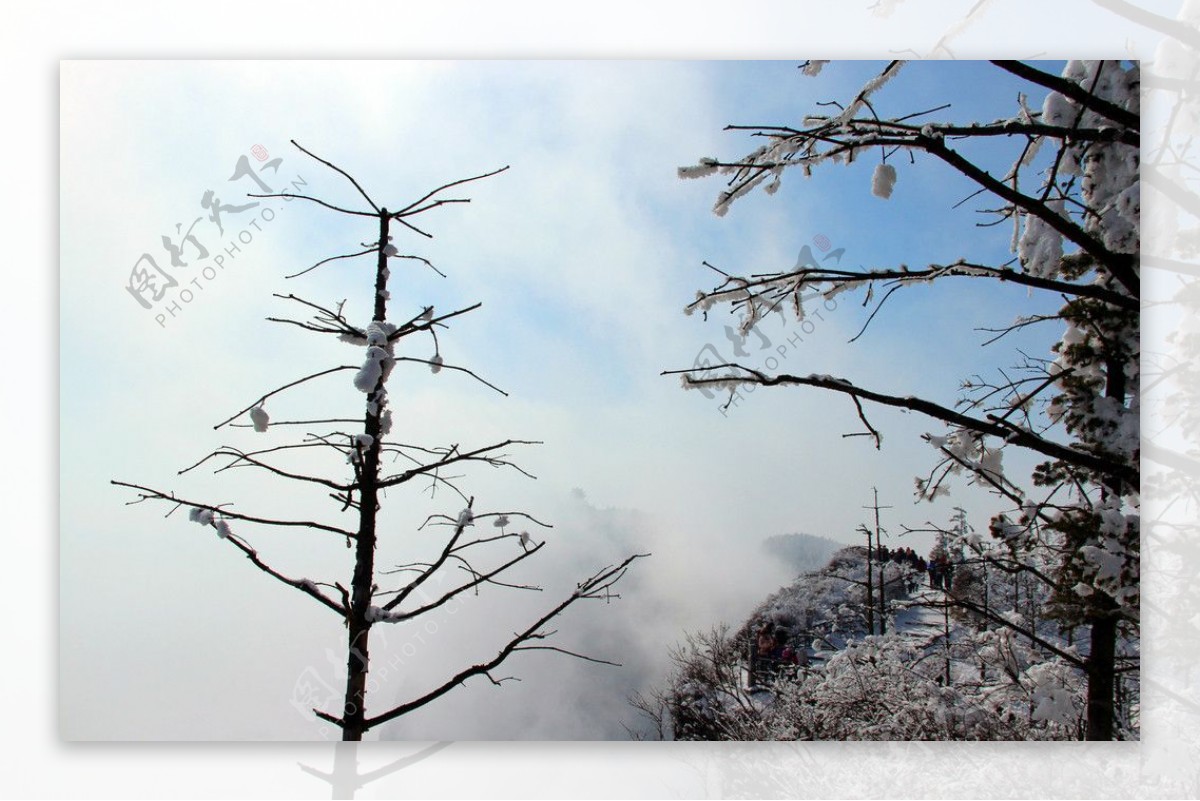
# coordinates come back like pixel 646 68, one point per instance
pixel 1040 248
pixel 1054 703
pixel 719 383
pixel 883 181
pixel 703 302
pixel 376 614
pixel 435 364
pixel 205 517
pixel 202 516
pixel 872 86
pixel 379 360
pixel 378 333
pixel 466 518
pixel 378 407
pixel 1111 187
pixel 377 363
pixel 260 418
pixel 705 168
pixel 725 199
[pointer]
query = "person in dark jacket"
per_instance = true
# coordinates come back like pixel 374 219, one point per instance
pixel 765 641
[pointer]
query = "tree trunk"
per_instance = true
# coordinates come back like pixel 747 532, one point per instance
pixel 1101 673
pixel 946 623
pixel 1101 662
pixel 882 596
pixel 358 657
pixel 870 589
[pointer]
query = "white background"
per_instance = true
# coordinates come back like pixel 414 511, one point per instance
pixel 35 763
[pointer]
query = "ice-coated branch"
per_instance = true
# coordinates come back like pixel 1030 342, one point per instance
pixel 756 167
pixel 1000 620
pixel 1123 266
pixel 298 381
pixel 505 515
pixel 1005 127
pixel 1012 567
pixel 781 285
pixel 601 580
pixel 1074 91
pixel 441 365
pixel 843 137
pixel 148 494
pixel 275 423
pixel 995 480
pixel 1113 467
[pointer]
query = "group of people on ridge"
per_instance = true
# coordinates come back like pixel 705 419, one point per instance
pixel 901 556
pixel 941 572
pixel 939 568
pixel 773 649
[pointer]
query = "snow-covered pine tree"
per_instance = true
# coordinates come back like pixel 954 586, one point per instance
pixel 480 547
pixel 1071 199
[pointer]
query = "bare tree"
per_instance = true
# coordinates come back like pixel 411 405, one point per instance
pixel 470 557
pixel 1071 201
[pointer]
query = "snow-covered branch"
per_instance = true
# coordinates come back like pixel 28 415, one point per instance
pixel 258 403
pixel 147 494
pixel 991 425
